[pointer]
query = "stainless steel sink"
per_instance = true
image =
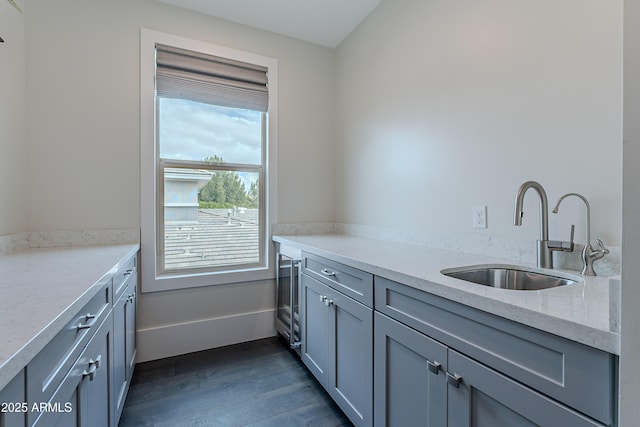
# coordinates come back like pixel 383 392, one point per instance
pixel 510 277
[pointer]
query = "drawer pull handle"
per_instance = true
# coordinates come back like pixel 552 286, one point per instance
pixel 97 361
pixel 80 327
pixel 87 317
pixel 90 373
pixel 454 380
pixel 128 272
pixel 327 272
pixel 328 302
pixel 434 366
pixel 94 365
pixel 322 298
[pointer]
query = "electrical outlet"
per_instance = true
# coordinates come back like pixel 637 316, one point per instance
pixel 479 217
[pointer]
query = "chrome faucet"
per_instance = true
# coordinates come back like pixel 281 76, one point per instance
pixel 545 247
pixel 589 255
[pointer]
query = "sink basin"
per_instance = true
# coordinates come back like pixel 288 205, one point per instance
pixel 510 277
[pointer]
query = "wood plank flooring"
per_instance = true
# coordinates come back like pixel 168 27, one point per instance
pixel 260 383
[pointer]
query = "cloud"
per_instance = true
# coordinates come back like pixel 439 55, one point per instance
pixel 194 131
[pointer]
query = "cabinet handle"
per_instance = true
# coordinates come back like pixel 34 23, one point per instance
pixel 434 366
pixel 131 298
pixel 97 361
pixel 94 365
pixel 128 272
pixel 327 272
pixel 87 317
pixel 91 372
pixel 328 302
pixel 322 298
pixel 454 379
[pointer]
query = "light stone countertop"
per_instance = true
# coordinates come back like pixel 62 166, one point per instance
pixel 42 289
pixel 581 312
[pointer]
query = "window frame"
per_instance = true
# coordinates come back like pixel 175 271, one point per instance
pixel 152 186
pixel 163 164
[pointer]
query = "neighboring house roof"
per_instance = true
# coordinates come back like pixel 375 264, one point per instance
pixel 199 175
pixel 218 238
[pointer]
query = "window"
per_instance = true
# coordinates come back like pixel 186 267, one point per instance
pixel 211 214
pixel 207 190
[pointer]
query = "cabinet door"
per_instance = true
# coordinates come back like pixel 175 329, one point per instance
pixel 12 403
pixel 118 368
pixel 95 402
pixel 351 356
pixel 56 417
pixel 481 397
pixel 130 327
pixel 124 345
pixel 83 397
pixel 315 328
pixel 410 385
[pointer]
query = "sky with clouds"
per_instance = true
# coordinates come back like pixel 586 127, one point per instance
pixel 194 131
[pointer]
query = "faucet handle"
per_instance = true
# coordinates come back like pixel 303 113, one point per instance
pixel 570 246
pixel 589 256
pixel 558 245
pixel 602 249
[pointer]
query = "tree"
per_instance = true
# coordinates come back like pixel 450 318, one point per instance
pixel 253 196
pixel 225 189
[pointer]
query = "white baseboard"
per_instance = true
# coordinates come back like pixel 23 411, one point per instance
pixel 183 338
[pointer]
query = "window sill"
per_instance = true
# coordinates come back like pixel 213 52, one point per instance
pixel 170 282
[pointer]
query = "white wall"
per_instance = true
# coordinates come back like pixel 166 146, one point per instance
pixel 12 120
pixel 445 105
pixel 630 325
pixel 84 131
pixel 84 146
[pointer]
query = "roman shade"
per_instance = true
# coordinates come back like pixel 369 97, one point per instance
pixel 209 79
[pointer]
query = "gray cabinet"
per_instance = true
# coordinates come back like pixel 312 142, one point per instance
pixel 421 382
pixel 409 376
pixel 351 357
pixel 315 329
pixel 337 344
pixel 95 400
pixel 82 399
pixel 13 406
pixel 124 333
pixel 349 281
pixel 51 367
pixel 82 375
pixel 497 372
pixel 479 396
pixel 437 362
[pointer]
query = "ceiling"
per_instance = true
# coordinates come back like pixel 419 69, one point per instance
pixel 324 22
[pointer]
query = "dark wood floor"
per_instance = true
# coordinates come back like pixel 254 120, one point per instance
pixel 260 383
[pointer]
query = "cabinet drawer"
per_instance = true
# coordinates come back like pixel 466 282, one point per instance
pixel 51 365
pixel 577 375
pixel 350 281
pixel 123 275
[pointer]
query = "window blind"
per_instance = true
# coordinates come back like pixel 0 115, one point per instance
pixel 210 79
